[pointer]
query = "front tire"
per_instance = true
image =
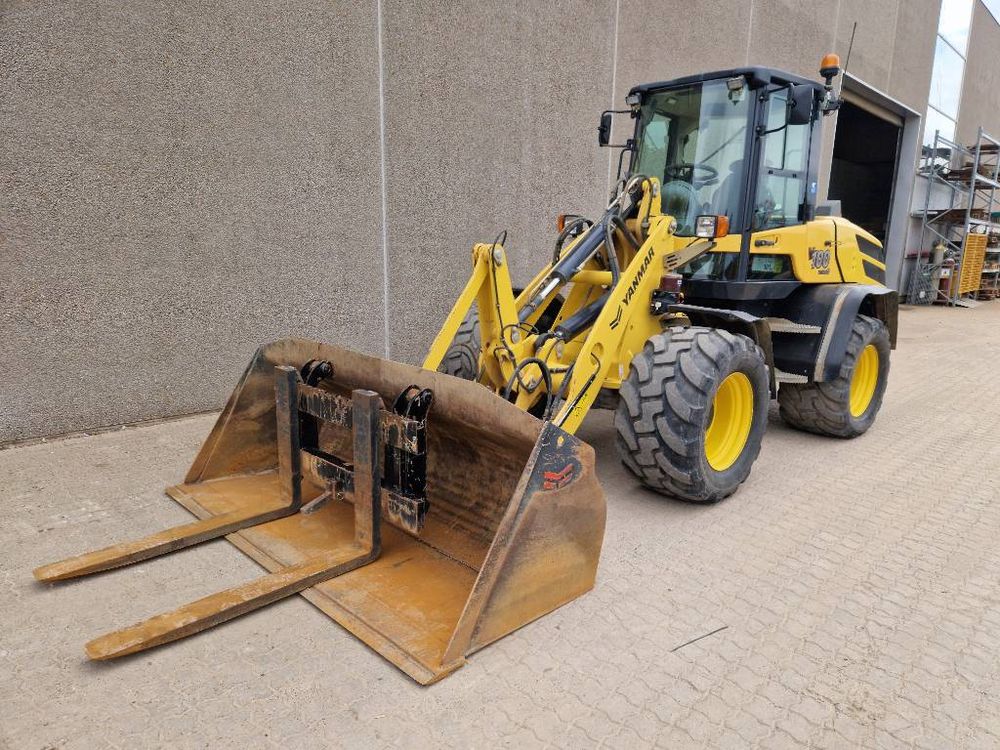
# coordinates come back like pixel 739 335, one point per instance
pixel 693 412
pixel 847 406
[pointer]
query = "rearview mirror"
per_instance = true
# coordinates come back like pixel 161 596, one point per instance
pixel 800 104
pixel 604 130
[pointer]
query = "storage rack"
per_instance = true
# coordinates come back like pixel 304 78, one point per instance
pixel 967 230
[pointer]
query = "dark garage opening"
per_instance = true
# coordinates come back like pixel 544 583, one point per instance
pixel 863 170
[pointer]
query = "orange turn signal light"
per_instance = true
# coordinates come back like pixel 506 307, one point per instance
pixel 722 227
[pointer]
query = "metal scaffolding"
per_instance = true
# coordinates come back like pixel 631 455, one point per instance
pixel 955 239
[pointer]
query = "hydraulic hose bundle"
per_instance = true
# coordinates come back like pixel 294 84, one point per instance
pixel 595 238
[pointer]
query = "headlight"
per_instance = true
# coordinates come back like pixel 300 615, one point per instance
pixel 711 227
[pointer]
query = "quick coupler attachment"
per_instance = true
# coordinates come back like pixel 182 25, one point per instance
pixel 406 468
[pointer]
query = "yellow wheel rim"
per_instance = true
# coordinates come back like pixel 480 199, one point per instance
pixel 732 417
pixel 864 380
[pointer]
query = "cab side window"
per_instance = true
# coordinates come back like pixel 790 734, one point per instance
pixel 781 191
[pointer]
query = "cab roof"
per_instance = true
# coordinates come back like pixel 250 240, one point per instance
pixel 757 76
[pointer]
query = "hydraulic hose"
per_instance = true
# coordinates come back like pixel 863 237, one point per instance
pixel 516 376
pixel 566 232
pixel 626 233
pixel 609 251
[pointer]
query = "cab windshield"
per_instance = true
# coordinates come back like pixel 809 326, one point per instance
pixel 694 140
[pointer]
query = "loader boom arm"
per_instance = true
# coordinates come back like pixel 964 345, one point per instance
pixel 491 289
pixel 604 341
pixel 611 270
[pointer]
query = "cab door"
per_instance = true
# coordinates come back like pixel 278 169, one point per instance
pixel 784 244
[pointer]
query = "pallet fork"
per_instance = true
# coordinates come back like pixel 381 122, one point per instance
pixel 469 517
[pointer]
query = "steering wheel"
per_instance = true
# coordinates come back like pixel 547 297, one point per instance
pixel 687 171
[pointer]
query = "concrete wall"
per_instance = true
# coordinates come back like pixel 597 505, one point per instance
pixel 179 183
pixel 491 114
pixel 183 181
pixel 981 86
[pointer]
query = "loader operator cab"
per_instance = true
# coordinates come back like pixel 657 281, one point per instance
pixel 693 139
pixel 741 143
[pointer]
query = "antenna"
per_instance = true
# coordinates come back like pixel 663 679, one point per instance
pixel 850 46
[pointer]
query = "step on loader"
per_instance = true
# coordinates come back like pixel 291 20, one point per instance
pixel 431 511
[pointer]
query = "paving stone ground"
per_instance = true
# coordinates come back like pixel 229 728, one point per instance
pixel 856 582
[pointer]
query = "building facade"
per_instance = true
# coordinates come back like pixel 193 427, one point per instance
pixel 181 182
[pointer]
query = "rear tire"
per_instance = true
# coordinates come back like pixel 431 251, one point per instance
pixel 675 388
pixel 826 408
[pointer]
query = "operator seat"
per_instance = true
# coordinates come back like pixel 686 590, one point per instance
pixel 679 199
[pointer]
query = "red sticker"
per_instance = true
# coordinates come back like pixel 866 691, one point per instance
pixel 553 480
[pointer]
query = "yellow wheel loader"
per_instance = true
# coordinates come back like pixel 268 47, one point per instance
pixel 711 283
pixel 431 511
